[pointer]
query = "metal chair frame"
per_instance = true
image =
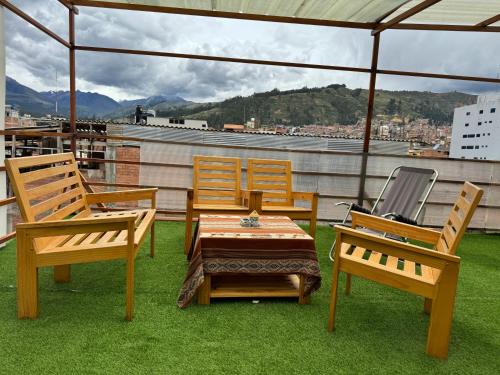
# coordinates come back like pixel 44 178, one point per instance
pixel 379 198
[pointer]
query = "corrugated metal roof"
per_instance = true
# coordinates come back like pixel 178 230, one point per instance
pixel 456 12
pixel 276 141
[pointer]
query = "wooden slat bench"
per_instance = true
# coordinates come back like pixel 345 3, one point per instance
pixel 430 273
pixel 274 179
pixel 216 190
pixel 59 228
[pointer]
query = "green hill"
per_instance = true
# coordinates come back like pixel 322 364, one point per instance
pixel 334 104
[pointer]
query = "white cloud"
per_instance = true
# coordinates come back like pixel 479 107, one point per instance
pixel 33 58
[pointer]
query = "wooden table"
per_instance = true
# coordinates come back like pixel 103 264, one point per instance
pixel 277 259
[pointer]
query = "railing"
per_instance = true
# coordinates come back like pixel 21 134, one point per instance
pixel 334 175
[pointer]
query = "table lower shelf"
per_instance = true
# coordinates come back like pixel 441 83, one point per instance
pixel 245 286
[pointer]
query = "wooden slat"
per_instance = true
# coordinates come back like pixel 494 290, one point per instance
pixel 270 178
pixel 55 186
pixel 34 161
pixel 269 187
pixel 375 257
pixel 392 262
pixel 217 193
pixel 47 172
pixel 358 252
pixel 215 201
pixel 65 211
pixel 54 202
pixel 278 170
pixel 216 167
pixel 217 176
pixel 455 220
pixel 449 235
pixel 463 204
pixel 213 184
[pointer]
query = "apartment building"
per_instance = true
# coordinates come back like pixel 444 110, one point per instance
pixel 476 130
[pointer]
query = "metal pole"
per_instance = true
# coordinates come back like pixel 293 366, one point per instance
pixel 72 81
pixel 369 115
pixel 3 177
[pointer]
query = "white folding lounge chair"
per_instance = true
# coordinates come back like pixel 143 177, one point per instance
pixel 410 186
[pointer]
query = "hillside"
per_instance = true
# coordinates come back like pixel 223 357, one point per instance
pixel 334 104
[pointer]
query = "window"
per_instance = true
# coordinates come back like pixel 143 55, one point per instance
pixel 181 121
pixel 481 112
pixel 467 114
pixel 478 135
pixel 484 134
pixel 463 147
pixel 470 147
pixel 479 123
pixel 464 136
pixel 467 124
pixel 488 133
pixel 471 135
pixel 476 147
pixel 492 110
pixel 170 121
pixel 491 121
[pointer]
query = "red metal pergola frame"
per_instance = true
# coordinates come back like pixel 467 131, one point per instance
pixel 377 28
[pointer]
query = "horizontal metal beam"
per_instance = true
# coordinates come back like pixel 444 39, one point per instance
pixel 267 18
pixel 439 76
pixel 403 16
pixel 33 22
pixel 221 59
pixel 283 63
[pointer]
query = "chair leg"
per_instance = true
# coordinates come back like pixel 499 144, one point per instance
pixel 62 274
pixel 333 296
pixel 438 338
pixel 130 289
pixel 348 284
pixel 189 231
pixel 312 227
pixel 152 240
pixel 27 280
pixel 427 305
pixel 204 290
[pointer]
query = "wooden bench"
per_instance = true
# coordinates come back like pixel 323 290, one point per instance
pixel 59 228
pixel 274 179
pixel 216 190
pixel 430 273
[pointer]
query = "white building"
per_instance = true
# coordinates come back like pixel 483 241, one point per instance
pixel 476 130
pixel 178 123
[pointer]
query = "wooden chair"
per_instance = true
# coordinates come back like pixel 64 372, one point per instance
pixel 216 190
pixel 431 273
pixel 59 228
pixel 274 179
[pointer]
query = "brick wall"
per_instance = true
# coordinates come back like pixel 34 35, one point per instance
pixel 127 173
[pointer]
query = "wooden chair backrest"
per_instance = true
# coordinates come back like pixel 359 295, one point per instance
pixel 273 178
pixel 216 180
pixel 47 188
pixel 459 218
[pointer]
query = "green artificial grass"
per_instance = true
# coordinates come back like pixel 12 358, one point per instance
pixel 81 328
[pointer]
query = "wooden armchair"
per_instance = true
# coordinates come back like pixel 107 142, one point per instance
pixel 432 274
pixel 59 228
pixel 274 179
pixel 216 190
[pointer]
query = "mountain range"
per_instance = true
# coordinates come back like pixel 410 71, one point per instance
pixel 89 104
pixel 333 104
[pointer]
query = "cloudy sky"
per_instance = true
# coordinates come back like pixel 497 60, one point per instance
pixel 33 58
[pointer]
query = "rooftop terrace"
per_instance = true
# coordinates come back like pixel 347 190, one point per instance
pixel 81 328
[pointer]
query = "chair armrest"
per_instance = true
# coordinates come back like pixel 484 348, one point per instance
pixel 304 196
pixel 77 226
pixel 394 227
pixel 123 196
pixel 403 250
